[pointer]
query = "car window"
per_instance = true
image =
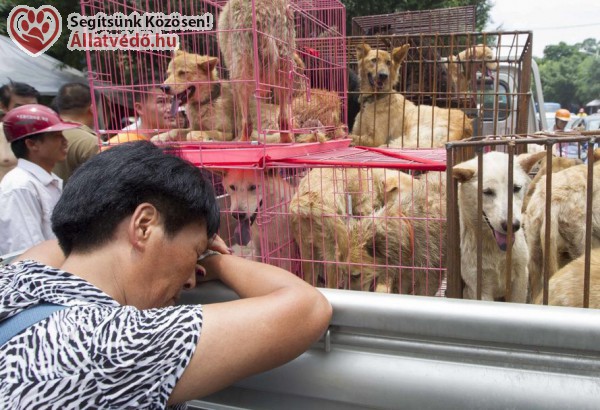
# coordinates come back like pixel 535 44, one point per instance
pixel 501 97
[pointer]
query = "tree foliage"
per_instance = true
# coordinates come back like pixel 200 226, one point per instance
pixel 570 74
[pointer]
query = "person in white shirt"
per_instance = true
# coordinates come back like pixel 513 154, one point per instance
pixel 13 95
pixel 29 192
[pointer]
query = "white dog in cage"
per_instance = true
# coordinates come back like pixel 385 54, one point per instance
pixel 494 240
pixel 259 200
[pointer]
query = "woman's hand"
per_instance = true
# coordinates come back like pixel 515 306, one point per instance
pixel 216 246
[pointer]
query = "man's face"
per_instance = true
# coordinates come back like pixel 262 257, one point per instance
pixel 155 111
pixel 52 147
pixel 560 124
pixel 17 101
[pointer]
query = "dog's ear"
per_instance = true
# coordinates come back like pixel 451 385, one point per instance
pixel 178 52
pixel 596 154
pixel 463 173
pixel 209 64
pixel 362 50
pixel 399 54
pixel 527 161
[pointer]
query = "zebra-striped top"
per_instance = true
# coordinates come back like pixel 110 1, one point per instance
pixel 94 354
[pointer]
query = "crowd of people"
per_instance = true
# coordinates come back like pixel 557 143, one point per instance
pixel 108 241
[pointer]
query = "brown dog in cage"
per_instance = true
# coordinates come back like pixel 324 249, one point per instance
pixel 494 241
pixel 275 49
pixel 567 222
pixel 565 287
pixel 321 212
pixel 461 67
pixel 252 192
pixel 386 117
pixel 193 81
pixel 400 247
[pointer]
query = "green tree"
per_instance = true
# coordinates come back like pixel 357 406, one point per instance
pixel 570 74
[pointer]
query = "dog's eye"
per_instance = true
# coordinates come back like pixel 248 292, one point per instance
pixel 374 60
pixel 252 188
pixel 489 192
pixel 516 188
pixel 181 72
pixel 232 187
pixel 389 63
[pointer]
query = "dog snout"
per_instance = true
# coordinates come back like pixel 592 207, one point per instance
pixel 382 76
pixel 240 216
pixel 515 226
pixel 165 88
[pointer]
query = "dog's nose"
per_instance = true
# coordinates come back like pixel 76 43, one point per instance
pixel 240 216
pixel 165 88
pixel 382 76
pixel 515 227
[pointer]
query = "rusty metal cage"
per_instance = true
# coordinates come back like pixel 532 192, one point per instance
pixel 490 84
pixel 547 230
pixel 442 21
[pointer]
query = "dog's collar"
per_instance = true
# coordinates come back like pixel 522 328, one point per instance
pixel 214 93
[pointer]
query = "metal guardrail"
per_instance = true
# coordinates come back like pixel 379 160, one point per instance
pixel 397 351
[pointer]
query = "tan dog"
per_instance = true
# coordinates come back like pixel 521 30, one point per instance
pixel 266 195
pixel 387 117
pixel 495 212
pixel 567 223
pixel 398 248
pixel 565 288
pixel 276 45
pixel 193 80
pixel 461 67
pixel 321 212
pixel 558 164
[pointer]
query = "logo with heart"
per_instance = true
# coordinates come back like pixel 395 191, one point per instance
pixel 34 30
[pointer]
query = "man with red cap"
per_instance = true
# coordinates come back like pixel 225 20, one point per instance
pixel 29 192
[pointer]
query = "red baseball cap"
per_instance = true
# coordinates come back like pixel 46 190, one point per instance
pixel 31 119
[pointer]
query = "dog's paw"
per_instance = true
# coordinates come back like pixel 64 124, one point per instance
pixel 198 136
pixel 177 134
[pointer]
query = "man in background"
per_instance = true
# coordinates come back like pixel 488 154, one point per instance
pixel 30 190
pixel 153 109
pixel 13 95
pixel 74 104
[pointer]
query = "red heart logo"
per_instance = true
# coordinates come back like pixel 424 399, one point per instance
pixel 34 30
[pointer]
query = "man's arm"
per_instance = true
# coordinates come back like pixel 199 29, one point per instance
pixel 277 319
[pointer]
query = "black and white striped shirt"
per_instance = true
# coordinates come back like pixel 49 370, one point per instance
pixel 94 354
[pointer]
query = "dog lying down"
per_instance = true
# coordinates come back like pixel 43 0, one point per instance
pixel 213 116
pixel 387 117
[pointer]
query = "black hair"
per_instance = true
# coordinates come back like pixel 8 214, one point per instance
pixel 19 148
pixel 73 97
pixel 108 188
pixel 16 88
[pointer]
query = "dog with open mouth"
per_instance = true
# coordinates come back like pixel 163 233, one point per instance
pixel 259 201
pixel 192 80
pixel 495 239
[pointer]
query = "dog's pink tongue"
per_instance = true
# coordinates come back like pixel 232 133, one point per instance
pixel 501 240
pixel 241 234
